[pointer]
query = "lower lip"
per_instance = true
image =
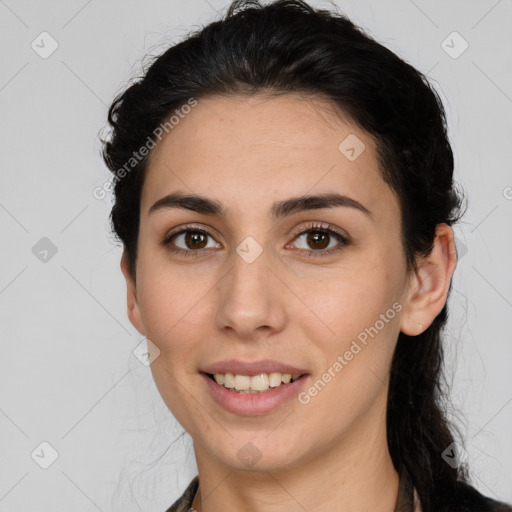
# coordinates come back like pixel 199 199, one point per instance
pixel 252 404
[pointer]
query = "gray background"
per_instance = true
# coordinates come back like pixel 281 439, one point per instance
pixel 68 373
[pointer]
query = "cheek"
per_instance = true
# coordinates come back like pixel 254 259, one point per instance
pixel 354 359
pixel 362 310
pixel 177 311
pixel 173 303
pixel 173 314
pixel 177 392
pixel 354 299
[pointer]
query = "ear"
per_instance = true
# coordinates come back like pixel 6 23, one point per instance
pixel 131 297
pixel 429 286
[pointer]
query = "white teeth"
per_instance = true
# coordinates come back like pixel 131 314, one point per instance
pixel 274 379
pixel 242 382
pixel 229 380
pixel 254 384
pixel 259 382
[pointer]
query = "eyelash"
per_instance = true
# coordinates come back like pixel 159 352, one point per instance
pixel 311 227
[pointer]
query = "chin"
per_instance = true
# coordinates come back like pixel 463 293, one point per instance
pixel 257 452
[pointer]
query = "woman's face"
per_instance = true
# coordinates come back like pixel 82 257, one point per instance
pixel 256 286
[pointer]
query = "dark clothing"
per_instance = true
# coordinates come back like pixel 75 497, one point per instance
pixel 465 499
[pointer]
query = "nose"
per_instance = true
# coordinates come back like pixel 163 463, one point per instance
pixel 251 299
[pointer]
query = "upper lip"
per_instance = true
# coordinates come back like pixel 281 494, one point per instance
pixel 238 367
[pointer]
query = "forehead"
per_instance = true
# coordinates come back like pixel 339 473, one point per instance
pixel 251 150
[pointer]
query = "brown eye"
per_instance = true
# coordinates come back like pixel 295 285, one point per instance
pixel 318 239
pixel 189 241
pixel 195 240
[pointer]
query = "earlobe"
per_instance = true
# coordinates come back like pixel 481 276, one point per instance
pixel 429 287
pixel 132 304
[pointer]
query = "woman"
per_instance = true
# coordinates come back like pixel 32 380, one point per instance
pixel 284 196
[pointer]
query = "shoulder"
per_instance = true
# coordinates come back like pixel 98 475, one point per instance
pixel 184 502
pixel 462 498
pixel 465 498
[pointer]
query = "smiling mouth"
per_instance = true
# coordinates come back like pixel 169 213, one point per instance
pixel 254 384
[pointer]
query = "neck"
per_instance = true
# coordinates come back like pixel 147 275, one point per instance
pixel 355 473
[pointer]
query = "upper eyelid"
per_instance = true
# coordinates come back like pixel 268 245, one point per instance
pixel 312 226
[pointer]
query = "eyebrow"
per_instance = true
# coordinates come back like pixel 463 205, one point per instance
pixel 280 209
